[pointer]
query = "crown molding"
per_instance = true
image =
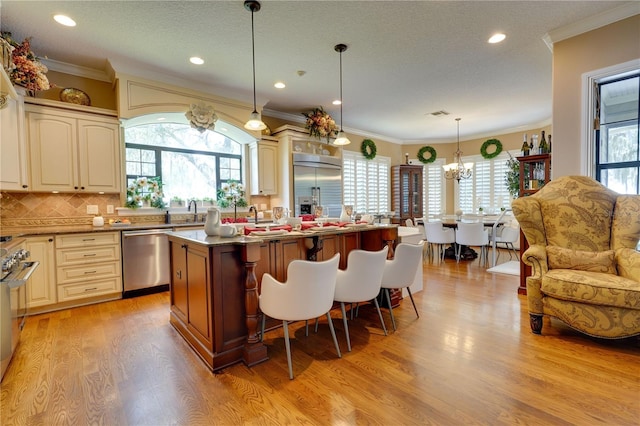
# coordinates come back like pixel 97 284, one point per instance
pixel 591 23
pixel 77 70
pixel 298 119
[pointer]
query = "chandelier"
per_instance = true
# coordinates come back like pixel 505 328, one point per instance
pixel 458 170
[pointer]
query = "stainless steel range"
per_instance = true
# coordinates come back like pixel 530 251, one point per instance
pixel 16 271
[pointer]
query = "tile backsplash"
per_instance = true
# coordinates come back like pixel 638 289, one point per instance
pixel 43 209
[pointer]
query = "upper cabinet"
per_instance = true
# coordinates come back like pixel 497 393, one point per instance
pixel 263 156
pixel 14 175
pixel 73 151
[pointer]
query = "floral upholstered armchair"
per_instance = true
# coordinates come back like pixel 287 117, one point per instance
pixel 582 250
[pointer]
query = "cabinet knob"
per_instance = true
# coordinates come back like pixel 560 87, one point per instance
pixel 75 187
pixel 184 246
pixel 82 187
pixel 25 186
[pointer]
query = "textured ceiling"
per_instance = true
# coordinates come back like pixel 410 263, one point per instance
pixel 405 59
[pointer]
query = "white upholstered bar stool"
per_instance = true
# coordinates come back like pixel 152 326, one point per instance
pixel 360 282
pixel 473 234
pixel 400 272
pixel 307 294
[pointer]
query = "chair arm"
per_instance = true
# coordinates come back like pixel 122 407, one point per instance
pixel 536 257
pixel 628 263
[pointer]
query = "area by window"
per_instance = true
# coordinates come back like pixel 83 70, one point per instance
pixel 486 188
pixel 617 145
pixel 366 182
pixel 192 165
pixel 434 199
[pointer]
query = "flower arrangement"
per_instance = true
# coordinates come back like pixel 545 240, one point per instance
pixel 27 70
pixel 145 190
pixel 320 124
pixel 231 195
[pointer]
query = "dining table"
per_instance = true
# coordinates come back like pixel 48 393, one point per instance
pixel 493 221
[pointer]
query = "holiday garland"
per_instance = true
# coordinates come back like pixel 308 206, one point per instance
pixel 368 149
pixel 488 143
pixel 432 154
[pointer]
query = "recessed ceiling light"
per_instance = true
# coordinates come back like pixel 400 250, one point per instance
pixel 64 20
pixel 337 102
pixel 497 38
pixel 279 85
pixel 196 60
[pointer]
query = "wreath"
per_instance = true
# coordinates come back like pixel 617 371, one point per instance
pixel 488 143
pixel 432 154
pixel 368 149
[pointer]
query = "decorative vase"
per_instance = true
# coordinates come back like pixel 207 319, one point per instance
pixel 212 223
pixel 345 214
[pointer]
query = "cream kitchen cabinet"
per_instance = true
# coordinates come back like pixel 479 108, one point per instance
pixel 73 151
pixel 264 166
pixel 14 174
pixel 41 288
pixel 88 265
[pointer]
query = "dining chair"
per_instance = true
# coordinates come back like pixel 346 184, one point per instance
pixel 409 223
pixel 400 272
pixel 437 235
pixel 473 234
pixel 308 293
pixel 508 235
pixel 360 282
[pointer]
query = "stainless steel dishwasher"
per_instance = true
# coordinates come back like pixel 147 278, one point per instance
pixel 145 262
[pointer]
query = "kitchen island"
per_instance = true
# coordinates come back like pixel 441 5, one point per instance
pixel 215 282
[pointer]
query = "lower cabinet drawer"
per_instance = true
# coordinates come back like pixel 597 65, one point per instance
pixel 88 289
pixel 81 256
pixel 84 273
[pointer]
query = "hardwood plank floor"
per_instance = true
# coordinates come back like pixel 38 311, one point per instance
pixel 469 359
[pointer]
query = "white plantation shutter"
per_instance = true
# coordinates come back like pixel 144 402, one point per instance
pixel 366 182
pixel 487 187
pixel 434 199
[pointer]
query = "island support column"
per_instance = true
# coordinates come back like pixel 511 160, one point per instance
pixel 254 350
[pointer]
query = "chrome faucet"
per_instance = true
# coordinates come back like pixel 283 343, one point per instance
pixel 255 213
pixel 195 210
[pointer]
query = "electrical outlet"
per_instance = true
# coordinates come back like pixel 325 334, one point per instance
pixel 92 209
pixel 110 209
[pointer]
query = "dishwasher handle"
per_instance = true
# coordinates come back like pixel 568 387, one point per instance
pixel 144 233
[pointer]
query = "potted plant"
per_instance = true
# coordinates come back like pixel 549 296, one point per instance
pixel 176 202
pixel 207 202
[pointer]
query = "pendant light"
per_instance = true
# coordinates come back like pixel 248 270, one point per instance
pixel 341 139
pixel 458 170
pixel 255 122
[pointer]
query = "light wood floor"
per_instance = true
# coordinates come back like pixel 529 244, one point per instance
pixel 469 359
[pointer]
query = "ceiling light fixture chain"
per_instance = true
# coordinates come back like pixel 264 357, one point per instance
pixel 458 170
pixel 341 139
pixel 255 122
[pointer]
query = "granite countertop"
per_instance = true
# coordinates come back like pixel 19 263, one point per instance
pixel 199 237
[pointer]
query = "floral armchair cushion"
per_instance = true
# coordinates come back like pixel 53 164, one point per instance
pixel 562 258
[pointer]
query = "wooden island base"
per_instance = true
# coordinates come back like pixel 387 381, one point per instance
pixel 215 285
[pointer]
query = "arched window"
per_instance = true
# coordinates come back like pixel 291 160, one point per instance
pixel 191 164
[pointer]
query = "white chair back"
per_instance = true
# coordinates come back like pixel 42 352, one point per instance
pixel 472 234
pixel 509 234
pixel 361 280
pixel 400 271
pixel 307 293
pixel 408 222
pixel 435 233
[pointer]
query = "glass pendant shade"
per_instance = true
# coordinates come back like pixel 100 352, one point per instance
pixel 341 139
pixel 255 123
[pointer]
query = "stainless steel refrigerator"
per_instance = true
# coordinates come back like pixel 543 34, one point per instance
pixel 317 180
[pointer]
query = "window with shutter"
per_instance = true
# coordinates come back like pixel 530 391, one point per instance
pixel 366 182
pixel 434 200
pixel 486 187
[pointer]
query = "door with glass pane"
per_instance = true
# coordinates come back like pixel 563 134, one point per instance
pixel 617 141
